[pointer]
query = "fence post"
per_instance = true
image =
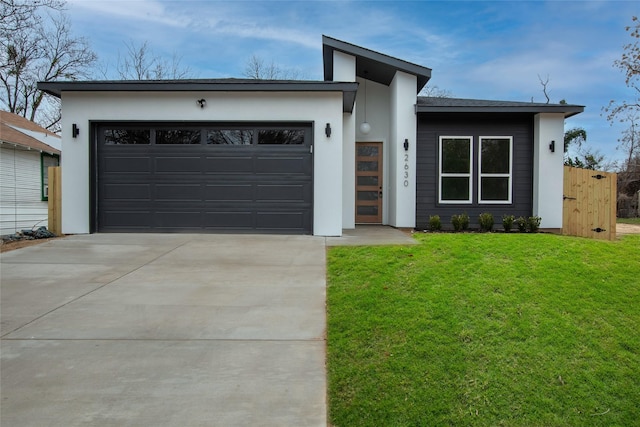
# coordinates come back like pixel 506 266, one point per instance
pixel 55 200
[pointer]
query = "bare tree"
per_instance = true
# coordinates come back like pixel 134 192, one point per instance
pixel 629 64
pixel 435 92
pixel 628 111
pixel 544 84
pixel 44 51
pixel 256 68
pixel 16 15
pixel 140 63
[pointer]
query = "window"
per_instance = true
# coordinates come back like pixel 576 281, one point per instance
pixel 456 162
pixel 47 160
pixel 127 136
pixel 230 137
pixel 495 169
pixel 281 136
pixel 177 136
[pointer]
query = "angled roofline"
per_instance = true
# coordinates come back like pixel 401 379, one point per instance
pixel 348 89
pixel 460 105
pixel 375 66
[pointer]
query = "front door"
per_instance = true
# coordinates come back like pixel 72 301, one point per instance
pixel 369 182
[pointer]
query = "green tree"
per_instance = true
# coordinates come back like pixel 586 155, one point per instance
pixel 585 159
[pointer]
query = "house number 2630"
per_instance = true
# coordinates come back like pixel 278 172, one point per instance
pixel 406 170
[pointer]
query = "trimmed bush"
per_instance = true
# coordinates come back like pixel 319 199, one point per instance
pixel 521 222
pixel 434 223
pixel 533 223
pixel 486 221
pixel 460 222
pixel 507 222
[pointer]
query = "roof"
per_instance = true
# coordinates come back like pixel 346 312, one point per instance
pixel 376 66
pixel 427 104
pixel 348 89
pixel 18 131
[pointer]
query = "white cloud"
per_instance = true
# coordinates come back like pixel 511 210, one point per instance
pixel 149 11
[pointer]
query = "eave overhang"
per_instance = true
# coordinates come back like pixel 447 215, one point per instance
pixel 456 105
pixel 371 65
pixel 348 89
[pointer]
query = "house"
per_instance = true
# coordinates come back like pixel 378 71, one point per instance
pixel 26 151
pixel 309 157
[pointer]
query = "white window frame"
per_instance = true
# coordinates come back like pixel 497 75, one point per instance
pixel 455 175
pixel 495 175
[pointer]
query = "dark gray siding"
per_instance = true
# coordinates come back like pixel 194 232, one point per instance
pixel 432 126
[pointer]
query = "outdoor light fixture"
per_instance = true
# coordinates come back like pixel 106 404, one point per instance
pixel 552 146
pixel 74 130
pixel 201 102
pixel 327 130
pixel 406 145
pixel 365 127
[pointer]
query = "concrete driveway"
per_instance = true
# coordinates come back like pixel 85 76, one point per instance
pixel 164 330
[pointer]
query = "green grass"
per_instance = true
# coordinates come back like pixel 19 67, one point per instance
pixel 628 220
pixel 485 330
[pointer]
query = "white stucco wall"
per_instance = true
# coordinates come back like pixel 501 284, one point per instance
pixel 548 169
pixel 402 164
pixel 319 107
pixel 344 70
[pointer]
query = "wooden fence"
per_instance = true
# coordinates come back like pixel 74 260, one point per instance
pixel 55 200
pixel 589 207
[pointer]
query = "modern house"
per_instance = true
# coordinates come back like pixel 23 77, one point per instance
pixel 26 151
pixel 309 157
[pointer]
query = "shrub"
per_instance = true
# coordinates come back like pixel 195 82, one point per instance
pixel 521 222
pixel 434 223
pixel 460 222
pixel 533 223
pixel 486 221
pixel 507 222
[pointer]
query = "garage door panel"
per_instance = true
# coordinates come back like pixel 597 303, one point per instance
pixel 127 192
pixel 178 192
pixel 229 192
pixel 128 218
pixel 284 192
pixel 281 220
pixel 292 165
pixel 180 219
pixel 171 165
pixel 228 165
pixel 119 164
pixel 196 187
pixel 224 220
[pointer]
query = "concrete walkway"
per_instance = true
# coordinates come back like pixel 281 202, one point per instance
pixel 164 330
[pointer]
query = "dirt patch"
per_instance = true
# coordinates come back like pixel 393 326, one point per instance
pixel 627 229
pixel 19 244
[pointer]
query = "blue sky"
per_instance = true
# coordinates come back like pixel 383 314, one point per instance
pixel 477 49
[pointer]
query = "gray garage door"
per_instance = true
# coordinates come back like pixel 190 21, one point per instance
pixel 204 177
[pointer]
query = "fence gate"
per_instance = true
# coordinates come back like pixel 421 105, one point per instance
pixel 589 207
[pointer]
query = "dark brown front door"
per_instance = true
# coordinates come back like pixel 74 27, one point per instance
pixel 369 182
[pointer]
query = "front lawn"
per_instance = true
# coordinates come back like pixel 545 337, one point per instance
pixel 485 330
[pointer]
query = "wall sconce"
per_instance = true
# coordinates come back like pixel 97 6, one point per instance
pixel 327 130
pixel 552 146
pixel 74 130
pixel 406 145
pixel 201 102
